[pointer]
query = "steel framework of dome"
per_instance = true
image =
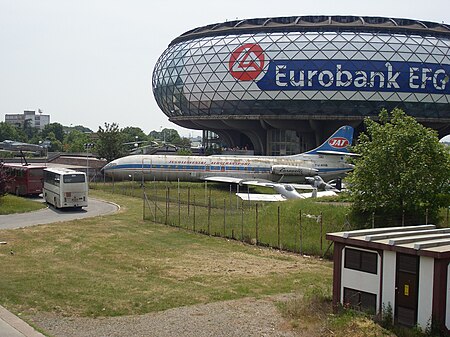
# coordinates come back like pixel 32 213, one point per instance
pixel 281 85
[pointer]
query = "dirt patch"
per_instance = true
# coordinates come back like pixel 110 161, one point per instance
pixel 240 264
pixel 244 317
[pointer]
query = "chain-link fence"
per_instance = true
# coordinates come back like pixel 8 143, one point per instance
pixel 271 225
pixel 218 211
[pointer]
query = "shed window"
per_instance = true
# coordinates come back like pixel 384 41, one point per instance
pixel 360 300
pixel 361 260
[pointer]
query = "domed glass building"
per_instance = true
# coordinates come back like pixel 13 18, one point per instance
pixel 282 85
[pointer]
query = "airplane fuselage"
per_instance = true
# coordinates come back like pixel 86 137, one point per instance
pixel 197 168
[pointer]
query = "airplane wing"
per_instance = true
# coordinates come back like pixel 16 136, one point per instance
pixel 260 182
pixel 351 154
pixel 260 197
pixel 303 186
pixel 230 180
pixel 240 181
pixel 319 194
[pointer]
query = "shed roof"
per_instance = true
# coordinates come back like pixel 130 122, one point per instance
pixel 426 240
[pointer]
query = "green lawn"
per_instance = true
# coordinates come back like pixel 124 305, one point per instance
pixel 12 204
pixel 120 265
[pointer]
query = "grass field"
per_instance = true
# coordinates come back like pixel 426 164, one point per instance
pixel 12 204
pixel 120 264
pixel 218 212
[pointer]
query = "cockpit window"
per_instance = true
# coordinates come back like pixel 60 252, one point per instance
pixel 288 187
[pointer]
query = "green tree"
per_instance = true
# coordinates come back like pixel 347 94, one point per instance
pixel 184 143
pixel 57 130
pixel 402 168
pixel 10 132
pixel 110 142
pixel 170 136
pixel 29 131
pixel 4 180
pixel 55 144
pixel 132 134
pixel 74 141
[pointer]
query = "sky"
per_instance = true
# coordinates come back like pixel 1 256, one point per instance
pixel 87 62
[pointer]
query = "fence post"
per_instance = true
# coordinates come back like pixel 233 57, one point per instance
pixel 242 222
pixel 168 204
pixel 256 210
pixel 426 216
pixel 237 198
pixel 155 197
pixel 189 201
pixel 143 202
pixel 403 218
pixel 224 216
pixel 179 210
pixel 194 214
pixel 373 219
pixel 209 215
pixel 321 233
pixel 230 196
pixel 279 229
pixel 167 193
pixel 301 231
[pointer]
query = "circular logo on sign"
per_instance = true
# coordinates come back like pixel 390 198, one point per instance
pixel 338 142
pixel 246 62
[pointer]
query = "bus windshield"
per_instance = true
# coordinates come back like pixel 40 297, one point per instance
pixel 73 178
pixel 36 173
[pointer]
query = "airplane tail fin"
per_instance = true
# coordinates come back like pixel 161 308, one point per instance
pixel 337 144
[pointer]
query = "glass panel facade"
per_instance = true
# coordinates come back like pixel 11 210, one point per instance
pixel 198 77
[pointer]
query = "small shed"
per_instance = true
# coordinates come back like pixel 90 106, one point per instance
pixel 404 268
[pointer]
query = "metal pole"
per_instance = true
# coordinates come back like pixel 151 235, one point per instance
pixel 279 229
pixel 230 196
pixel 143 203
pixel 194 214
pixel 237 198
pixel 189 201
pixel 209 216
pixel 301 232
pixel 256 210
pixel 166 206
pixel 242 222
pixel 155 197
pixel 321 233
pixel 224 217
pixel 87 163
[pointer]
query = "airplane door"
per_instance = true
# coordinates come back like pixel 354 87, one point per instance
pixel 146 169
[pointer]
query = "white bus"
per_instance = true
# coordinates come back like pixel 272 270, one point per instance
pixel 65 188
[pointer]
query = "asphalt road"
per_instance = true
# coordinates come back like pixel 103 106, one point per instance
pixel 44 216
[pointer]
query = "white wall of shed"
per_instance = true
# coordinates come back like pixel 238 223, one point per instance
pixel 388 293
pixel 425 291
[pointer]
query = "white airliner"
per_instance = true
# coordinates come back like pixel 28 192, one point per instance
pixel 327 161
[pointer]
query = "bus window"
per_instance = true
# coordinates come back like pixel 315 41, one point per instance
pixel 73 178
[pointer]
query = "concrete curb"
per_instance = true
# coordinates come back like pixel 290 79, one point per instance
pixel 19 328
